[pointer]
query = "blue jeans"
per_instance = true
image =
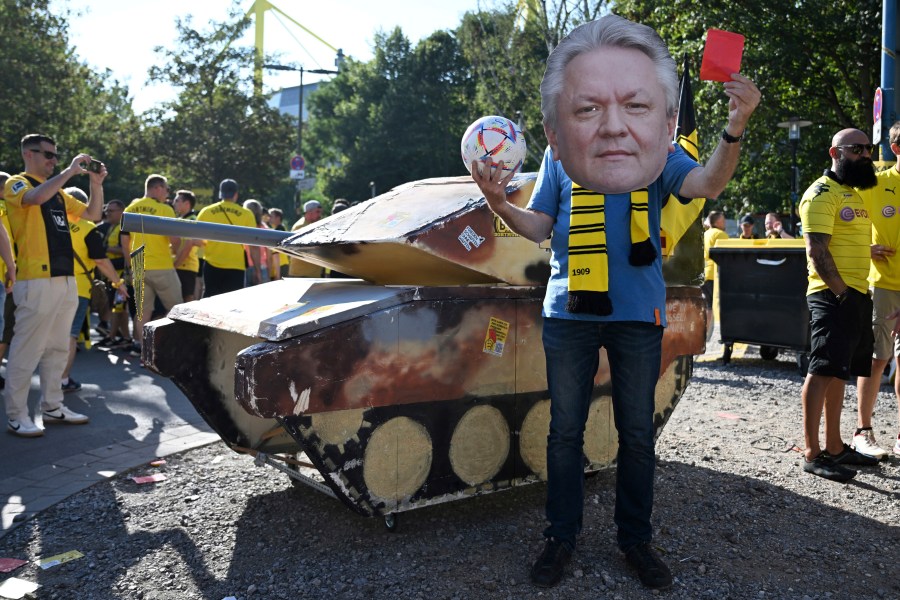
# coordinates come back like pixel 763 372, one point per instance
pixel 634 352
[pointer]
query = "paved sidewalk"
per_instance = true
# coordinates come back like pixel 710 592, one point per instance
pixel 136 416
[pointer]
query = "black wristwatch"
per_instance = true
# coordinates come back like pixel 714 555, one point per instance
pixel 843 295
pixel 730 139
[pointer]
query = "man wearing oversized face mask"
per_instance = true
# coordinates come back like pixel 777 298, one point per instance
pixel 608 98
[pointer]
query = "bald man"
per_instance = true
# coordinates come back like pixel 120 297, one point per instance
pixel 837 231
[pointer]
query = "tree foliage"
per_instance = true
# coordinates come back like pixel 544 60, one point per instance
pixel 47 90
pixel 217 127
pixel 397 118
pixel 400 116
pixel 818 61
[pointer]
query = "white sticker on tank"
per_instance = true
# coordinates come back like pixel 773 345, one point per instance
pixel 469 238
pixel 301 403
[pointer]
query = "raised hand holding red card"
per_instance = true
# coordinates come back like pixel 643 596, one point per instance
pixel 722 55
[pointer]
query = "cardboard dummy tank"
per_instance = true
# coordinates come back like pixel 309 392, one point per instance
pixel 422 380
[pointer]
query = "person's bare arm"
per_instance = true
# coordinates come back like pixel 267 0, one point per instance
pixel 94 210
pixel 823 262
pixel 709 181
pixel 6 254
pixel 47 190
pixel 106 267
pixel 531 224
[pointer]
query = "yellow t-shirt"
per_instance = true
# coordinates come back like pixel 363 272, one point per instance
pixel 33 225
pixel 157 251
pixel 80 229
pixel 4 216
pixel 883 204
pixel 838 210
pixel 225 255
pixel 710 237
pixel 192 262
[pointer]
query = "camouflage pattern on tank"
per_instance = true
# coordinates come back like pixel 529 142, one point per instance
pixel 422 384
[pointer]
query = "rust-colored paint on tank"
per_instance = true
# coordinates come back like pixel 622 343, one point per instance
pixel 426 350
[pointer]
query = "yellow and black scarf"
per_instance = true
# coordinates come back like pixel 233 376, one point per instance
pixel 588 263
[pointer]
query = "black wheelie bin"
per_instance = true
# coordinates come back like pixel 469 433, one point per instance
pixel 762 296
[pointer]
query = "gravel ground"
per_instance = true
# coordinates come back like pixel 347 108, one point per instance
pixel 735 518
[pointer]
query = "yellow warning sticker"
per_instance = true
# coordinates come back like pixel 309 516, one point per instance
pixel 501 230
pixel 495 340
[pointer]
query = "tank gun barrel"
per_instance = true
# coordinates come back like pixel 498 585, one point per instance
pixel 236 234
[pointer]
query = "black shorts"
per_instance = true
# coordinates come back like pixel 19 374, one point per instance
pixel 707 288
pixel 841 335
pixel 218 281
pixel 188 281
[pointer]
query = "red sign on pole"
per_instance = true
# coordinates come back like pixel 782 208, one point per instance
pixel 297 163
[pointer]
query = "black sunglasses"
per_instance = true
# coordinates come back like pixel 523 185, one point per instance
pixel 857 148
pixel 47 154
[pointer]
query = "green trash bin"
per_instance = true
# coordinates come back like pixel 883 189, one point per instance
pixel 762 296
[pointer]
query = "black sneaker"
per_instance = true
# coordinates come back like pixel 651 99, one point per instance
pixel 70 386
pixel 849 456
pixel 650 568
pixel 549 567
pixel 105 342
pixel 824 466
pixel 102 328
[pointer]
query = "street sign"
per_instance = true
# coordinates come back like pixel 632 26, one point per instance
pixel 304 185
pixel 297 163
pixel 298 174
pixel 877 107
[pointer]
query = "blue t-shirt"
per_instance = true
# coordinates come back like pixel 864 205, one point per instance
pixel 636 293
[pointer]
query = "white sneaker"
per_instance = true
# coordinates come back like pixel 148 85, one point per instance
pixel 897 448
pixel 864 443
pixel 64 415
pixel 23 427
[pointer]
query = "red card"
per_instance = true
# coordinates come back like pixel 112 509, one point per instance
pixel 10 564
pixel 722 55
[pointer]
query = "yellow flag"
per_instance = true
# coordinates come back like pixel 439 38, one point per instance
pixel 677 217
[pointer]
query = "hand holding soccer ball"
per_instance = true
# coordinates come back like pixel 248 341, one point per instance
pixel 496 138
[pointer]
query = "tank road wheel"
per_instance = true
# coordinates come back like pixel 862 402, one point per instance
pixel 726 354
pixel 768 352
pixel 390 522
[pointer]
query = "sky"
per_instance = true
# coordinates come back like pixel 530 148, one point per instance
pixel 120 35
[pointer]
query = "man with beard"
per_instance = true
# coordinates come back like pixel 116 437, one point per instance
pixel 838 231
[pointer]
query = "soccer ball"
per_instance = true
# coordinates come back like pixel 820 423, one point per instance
pixel 494 137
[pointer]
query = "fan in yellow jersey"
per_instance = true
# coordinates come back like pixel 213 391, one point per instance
pixel 187 260
pixel 312 212
pixel 44 293
pixel 89 253
pixel 160 278
pixel 883 203
pixel 111 228
pixel 225 264
pixel 837 230
pixel 7 271
pixel 712 235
